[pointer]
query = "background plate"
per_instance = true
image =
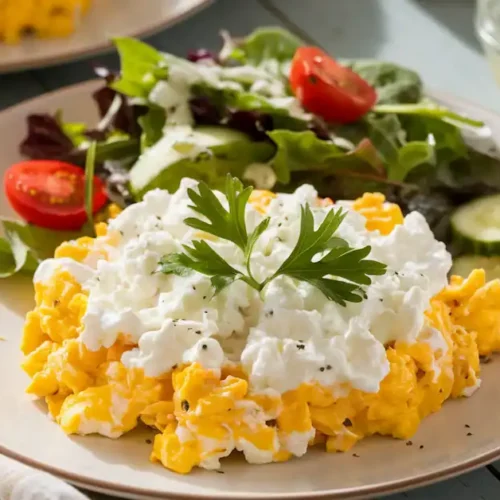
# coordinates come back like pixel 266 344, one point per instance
pixel 106 19
pixel 442 447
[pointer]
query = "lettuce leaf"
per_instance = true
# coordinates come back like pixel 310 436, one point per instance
pixel 24 246
pixel 304 151
pixel 152 124
pixel 384 162
pixel 141 67
pixel 394 84
pixel 229 99
pixel 261 45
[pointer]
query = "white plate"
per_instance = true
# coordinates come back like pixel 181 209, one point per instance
pixel 121 467
pixel 106 19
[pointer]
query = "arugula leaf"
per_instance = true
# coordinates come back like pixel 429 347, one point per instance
pixel 141 67
pixel 339 260
pixel 261 45
pixel 89 182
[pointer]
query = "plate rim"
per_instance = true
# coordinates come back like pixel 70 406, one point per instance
pixel 395 486
pixel 101 47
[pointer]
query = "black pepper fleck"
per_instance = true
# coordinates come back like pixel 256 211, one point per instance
pixel 194 288
pixel 204 347
pixel 381 300
pixel 409 443
pixel 204 297
pixel 185 405
pixel 174 367
pixel 122 233
pixel 467 426
pixel 219 471
pixel 347 422
pixel 355 455
pixel 148 441
pixel 421 447
pixel 280 224
pixel 469 434
pixel 328 367
pixel 272 423
pixel 313 79
pixel 198 332
pixel 56 303
pixel 301 347
pixel 322 369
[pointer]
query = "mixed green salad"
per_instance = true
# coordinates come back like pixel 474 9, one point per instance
pixel 268 110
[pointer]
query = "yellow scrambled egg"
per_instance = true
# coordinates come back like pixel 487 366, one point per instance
pixel 45 18
pixel 90 392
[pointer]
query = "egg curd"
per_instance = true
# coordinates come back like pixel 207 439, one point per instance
pixel 44 18
pixel 113 342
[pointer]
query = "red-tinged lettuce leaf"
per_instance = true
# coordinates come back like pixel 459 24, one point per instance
pixel 46 139
pixel 115 110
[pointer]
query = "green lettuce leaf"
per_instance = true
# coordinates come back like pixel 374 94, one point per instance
pixel 24 246
pixel 141 67
pixel 152 124
pixel 303 151
pixel 394 84
pixel 261 45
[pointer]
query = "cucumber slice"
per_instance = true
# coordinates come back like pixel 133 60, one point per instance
pixel 476 226
pixel 463 266
pixel 203 153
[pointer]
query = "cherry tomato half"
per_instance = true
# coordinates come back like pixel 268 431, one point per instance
pixel 327 89
pixel 50 193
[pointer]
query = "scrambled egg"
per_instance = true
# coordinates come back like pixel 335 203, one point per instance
pixel 200 415
pixel 45 18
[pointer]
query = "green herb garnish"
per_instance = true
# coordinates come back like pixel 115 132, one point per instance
pixel 340 273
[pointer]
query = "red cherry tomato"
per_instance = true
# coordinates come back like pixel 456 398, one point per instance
pixel 50 193
pixel 327 89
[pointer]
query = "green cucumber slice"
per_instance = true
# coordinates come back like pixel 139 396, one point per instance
pixel 464 265
pixel 476 226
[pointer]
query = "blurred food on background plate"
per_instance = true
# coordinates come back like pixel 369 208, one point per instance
pixel 42 18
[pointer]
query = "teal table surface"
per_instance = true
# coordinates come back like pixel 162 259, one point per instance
pixel 435 37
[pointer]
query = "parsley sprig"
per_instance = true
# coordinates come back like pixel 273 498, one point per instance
pixel 339 273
